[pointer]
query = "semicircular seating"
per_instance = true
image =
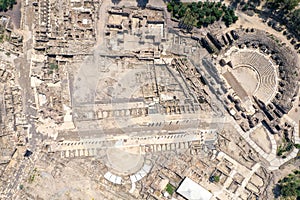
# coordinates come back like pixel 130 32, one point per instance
pixel 264 68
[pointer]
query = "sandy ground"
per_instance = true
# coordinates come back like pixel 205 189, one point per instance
pixel 247 78
pixel 260 137
pixel 295 112
pixel 56 186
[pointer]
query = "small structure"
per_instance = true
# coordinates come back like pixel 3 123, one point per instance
pixel 191 190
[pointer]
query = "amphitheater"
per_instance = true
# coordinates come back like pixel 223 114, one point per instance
pixel 265 71
pixel 256 65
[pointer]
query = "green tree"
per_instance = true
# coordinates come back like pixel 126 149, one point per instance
pixel 234 18
pixel 213 19
pixel 199 24
pixel 284 4
pixel 207 21
pixel 224 8
pixel 199 4
pixel 169 7
pixel 295 20
pixel 289 186
pixel 175 10
pixel 206 4
pixel 6 4
pixel 290 4
pixel 193 6
pixel 231 12
pixel 245 7
pixel 181 12
pixel 219 4
pixel 288 190
pixel 201 14
pixel 217 13
pixel 208 11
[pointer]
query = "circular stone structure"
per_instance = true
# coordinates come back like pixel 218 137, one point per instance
pixel 266 85
pixel 124 161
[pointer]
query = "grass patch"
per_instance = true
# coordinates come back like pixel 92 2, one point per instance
pixel 53 66
pixel 170 188
pixel 217 179
pixel 33 175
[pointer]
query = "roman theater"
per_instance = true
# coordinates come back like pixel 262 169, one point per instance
pixel 259 73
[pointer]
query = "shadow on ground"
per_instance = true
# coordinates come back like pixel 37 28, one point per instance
pixel 115 1
pixel 140 3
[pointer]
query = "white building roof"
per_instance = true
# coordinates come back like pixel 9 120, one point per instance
pixel 192 190
pixel 113 178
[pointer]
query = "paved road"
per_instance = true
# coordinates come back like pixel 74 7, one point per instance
pixel 22 65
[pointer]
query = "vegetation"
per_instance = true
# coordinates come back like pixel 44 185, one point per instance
pixel 170 189
pixel 52 67
pixel 32 176
pixel 285 5
pixel 6 4
pixel 295 20
pixel 286 10
pixel 214 178
pixel 286 148
pixel 1 38
pixel 245 7
pixel 289 187
pixel 2 34
pixel 217 178
pixel 201 13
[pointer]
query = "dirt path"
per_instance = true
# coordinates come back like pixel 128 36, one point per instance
pixel 100 27
pixel 246 21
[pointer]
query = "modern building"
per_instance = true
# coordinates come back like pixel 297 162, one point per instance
pixel 191 190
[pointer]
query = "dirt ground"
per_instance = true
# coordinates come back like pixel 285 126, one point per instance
pixel 260 137
pixel 247 77
pixel 55 181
